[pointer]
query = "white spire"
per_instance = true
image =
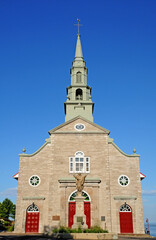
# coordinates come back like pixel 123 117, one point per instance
pixel 78 52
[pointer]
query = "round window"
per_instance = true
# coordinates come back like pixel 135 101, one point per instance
pixel 79 126
pixel 123 180
pixel 34 181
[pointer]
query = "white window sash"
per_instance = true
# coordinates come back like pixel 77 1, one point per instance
pixel 71 160
pixel 76 165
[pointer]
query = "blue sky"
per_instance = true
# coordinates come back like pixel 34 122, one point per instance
pixel 37 47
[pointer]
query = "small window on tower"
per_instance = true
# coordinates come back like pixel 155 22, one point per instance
pixel 79 94
pixel 78 77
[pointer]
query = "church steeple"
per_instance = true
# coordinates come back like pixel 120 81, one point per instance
pixel 79 101
pixel 78 52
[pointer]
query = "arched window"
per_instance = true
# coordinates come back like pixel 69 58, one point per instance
pixel 79 163
pixel 78 77
pixel 79 94
pixel 84 194
pixel 125 208
pixel 32 208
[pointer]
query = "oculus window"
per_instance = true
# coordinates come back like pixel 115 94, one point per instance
pixel 123 180
pixel 34 180
pixel 79 126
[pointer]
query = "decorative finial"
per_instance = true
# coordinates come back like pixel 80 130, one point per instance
pixel 134 150
pixel 78 25
pixel 125 205
pixel 23 150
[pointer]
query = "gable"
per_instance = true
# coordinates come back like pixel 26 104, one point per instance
pixel 70 127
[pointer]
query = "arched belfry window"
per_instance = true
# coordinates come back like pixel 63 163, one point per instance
pixel 78 77
pixel 79 94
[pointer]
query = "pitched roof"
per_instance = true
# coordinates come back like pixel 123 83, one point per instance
pixel 78 117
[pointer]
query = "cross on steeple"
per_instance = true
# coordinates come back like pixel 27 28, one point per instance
pixel 78 25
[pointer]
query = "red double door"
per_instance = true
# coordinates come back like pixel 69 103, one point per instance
pixel 32 222
pixel 72 210
pixel 126 222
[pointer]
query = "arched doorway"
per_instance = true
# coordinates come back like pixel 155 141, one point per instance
pixel 126 220
pixel 32 218
pixel 72 208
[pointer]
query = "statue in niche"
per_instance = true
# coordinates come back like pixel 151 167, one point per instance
pixel 80 179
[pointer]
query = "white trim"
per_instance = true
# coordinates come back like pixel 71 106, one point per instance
pixel 123 175
pixel 33 211
pixel 88 164
pixel 79 153
pixel 37 184
pixel 70 163
pixel 79 124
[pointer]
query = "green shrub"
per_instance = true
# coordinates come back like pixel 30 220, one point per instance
pixel 11 228
pixel 61 229
pixel 55 230
pixel 95 229
pixel 6 223
pixel 74 230
pixel 64 230
pixel 2 228
pixel 79 230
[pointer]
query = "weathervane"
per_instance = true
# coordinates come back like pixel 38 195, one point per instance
pixel 78 25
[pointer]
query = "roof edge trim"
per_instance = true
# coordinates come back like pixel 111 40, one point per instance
pixel 48 140
pixel 110 141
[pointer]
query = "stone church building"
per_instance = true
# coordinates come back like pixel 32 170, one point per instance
pixel 46 185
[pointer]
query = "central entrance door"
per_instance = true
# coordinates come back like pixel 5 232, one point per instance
pixel 32 219
pixel 72 209
pixel 87 212
pixel 126 220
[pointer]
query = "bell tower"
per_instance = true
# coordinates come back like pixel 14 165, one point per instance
pixel 79 101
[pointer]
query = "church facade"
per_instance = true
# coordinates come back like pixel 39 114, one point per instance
pixel 46 182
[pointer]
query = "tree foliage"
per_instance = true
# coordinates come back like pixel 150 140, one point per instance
pixel 7 209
